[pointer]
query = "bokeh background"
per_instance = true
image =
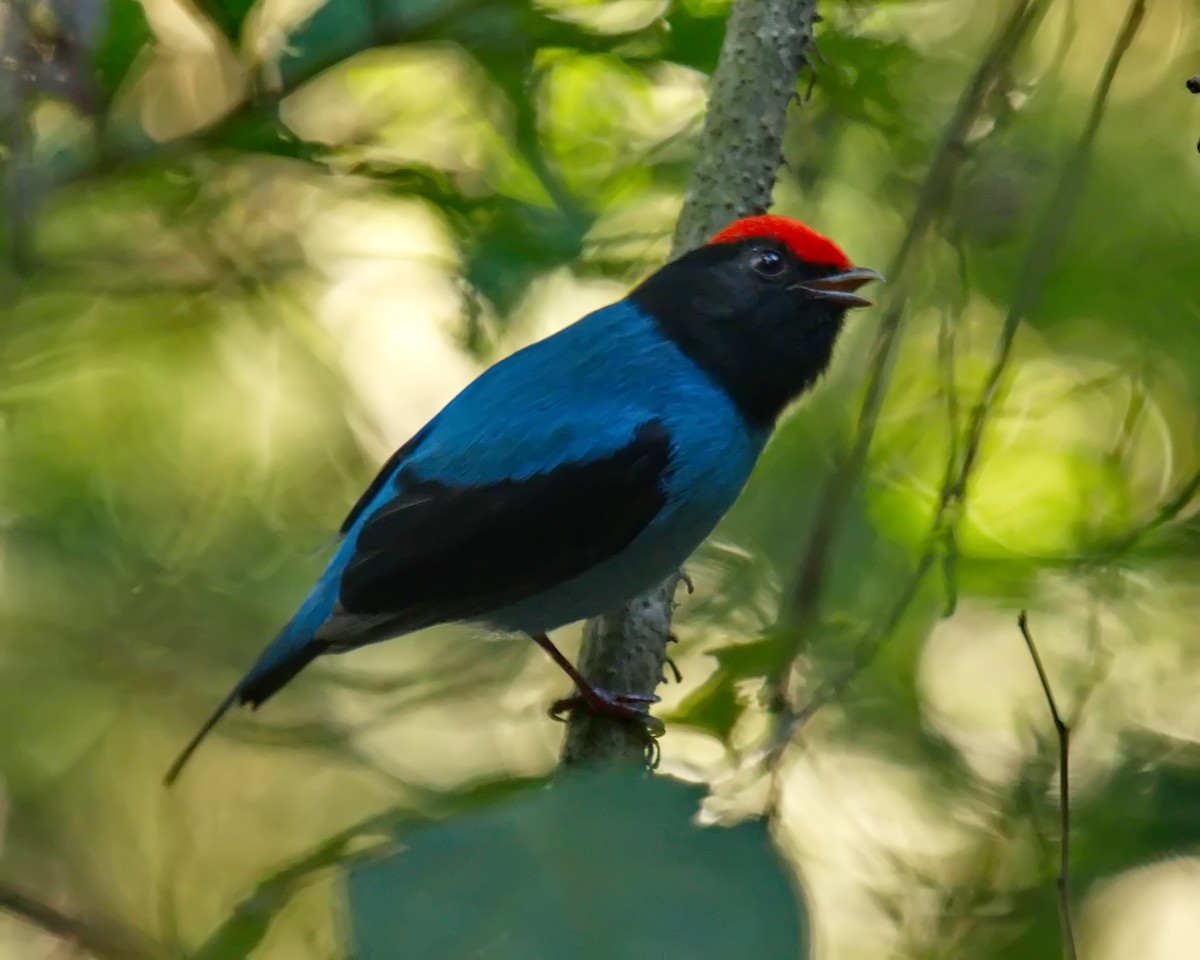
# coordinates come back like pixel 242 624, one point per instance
pixel 249 246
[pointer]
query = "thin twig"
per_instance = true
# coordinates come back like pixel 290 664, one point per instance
pixel 100 940
pixel 1130 422
pixel 1023 623
pixel 931 204
pixel 961 904
pixel 949 385
pixel 1036 263
pixel 17 90
pixel 1181 500
pixel 1047 239
pixel 790 723
pixel 864 651
pixel 738 158
pixel 1062 882
pixel 1176 505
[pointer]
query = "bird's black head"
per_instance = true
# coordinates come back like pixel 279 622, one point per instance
pixel 758 308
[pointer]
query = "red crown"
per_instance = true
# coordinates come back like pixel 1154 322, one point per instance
pixel 802 240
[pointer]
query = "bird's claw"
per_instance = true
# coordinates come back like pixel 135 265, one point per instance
pixel 623 706
pixel 652 727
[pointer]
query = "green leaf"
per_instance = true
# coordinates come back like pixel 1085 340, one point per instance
pixel 1148 810
pixel 713 707
pixel 251 131
pixel 228 15
pixel 241 933
pixel 517 243
pixel 763 657
pixel 596 866
pixel 127 35
pixel 696 32
pixel 338 29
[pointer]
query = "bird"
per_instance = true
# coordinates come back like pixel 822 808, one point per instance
pixel 584 469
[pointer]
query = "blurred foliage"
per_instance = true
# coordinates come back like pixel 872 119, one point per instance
pixel 246 248
pixel 588 883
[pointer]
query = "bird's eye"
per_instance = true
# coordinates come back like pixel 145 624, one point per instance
pixel 769 263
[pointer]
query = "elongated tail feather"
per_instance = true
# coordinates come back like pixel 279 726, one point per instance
pixel 291 651
pixel 176 768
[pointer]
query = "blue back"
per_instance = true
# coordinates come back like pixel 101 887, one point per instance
pixel 580 394
pixel 575 396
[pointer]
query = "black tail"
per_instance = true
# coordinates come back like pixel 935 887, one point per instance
pixel 255 689
pixel 177 767
pixel 263 683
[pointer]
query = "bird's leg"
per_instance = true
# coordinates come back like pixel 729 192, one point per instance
pixel 626 706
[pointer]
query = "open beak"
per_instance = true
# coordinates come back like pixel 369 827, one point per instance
pixel 839 288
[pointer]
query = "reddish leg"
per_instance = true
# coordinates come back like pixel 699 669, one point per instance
pixel 626 706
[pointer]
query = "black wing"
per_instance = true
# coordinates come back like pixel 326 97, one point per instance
pixel 382 477
pixel 439 553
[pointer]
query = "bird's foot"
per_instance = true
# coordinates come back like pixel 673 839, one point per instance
pixel 634 707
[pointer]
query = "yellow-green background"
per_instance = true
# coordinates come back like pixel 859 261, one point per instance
pixel 291 231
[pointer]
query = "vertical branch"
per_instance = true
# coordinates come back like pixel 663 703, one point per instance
pixel 931 204
pixel 741 146
pixel 1062 882
pixel 1047 238
pixel 1178 502
pixel 37 58
pixel 18 64
pixel 1035 265
pixel 740 150
pixel 949 385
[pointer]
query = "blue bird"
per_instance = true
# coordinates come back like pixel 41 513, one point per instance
pixel 582 470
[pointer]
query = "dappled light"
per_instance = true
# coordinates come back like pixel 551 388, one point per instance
pixel 271 240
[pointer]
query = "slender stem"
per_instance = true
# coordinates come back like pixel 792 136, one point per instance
pixel 102 941
pixel 17 90
pixel 1047 237
pixel 802 606
pixel 738 157
pixel 1036 263
pixel 1062 883
pixel 1166 513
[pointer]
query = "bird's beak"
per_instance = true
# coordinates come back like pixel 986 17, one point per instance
pixel 838 288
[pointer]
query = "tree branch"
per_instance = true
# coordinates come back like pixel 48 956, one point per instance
pixel 931 205
pixel 102 941
pixel 1035 264
pixel 741 146
pixel 1040 254
pixel 20 61
pixel 1169 510
pixel 1063 732
pixel 740 150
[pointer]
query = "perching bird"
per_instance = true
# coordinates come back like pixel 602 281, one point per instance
pixel 582 470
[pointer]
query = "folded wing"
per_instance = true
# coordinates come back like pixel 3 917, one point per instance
pixel 440 552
